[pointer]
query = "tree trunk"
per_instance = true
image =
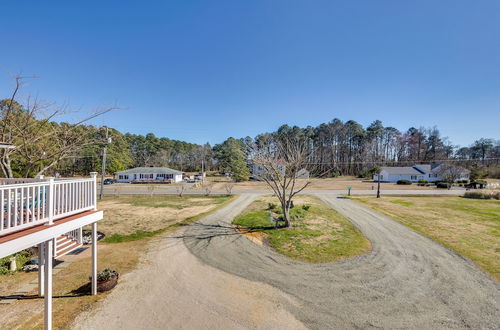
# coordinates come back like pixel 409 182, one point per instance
pixel 6 167
pixel 286 215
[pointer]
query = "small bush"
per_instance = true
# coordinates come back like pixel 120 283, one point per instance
pixel 405 182
pixel 306 207
pixel 297 213
pixel 443 185
pixel 105 275
pixel 482 195
pixel 22 258
pixel 271 206
pixel 422 182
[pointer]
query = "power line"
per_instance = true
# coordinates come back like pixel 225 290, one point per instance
pixel 403 161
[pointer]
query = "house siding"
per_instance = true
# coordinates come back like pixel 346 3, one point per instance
pixel 413 174
pixel 124 177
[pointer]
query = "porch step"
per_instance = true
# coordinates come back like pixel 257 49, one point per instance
pixel 64 245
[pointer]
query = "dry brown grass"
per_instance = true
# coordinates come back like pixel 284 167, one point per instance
pixel 128 214
pixel 340 183
pixel 471 227
pixel 28 313
pixel 120 214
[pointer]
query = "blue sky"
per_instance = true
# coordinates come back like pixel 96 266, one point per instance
pixel 205 70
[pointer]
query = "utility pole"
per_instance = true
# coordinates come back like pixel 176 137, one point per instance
pixel 103 165
pixel 378 185
pixel 202 170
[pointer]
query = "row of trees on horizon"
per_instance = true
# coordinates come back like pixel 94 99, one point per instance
pixel 45 145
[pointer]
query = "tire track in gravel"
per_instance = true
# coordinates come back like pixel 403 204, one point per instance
pixel 408 281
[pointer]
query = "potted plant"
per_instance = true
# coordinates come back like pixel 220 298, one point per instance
pixel 106 279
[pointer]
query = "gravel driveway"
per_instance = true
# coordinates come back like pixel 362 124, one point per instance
pixel 209 276
pixel 407 282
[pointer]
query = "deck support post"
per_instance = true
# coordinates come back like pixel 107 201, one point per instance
pixel 94 258
pixel 48 285
pixel 41 268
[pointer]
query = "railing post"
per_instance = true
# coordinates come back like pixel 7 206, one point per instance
pixel 51 196
pixel 41 268
pixel 93 175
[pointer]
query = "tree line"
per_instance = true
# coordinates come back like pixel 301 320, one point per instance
pixel 44 145
pixel 347 148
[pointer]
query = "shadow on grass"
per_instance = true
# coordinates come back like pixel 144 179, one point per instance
pixel 201 231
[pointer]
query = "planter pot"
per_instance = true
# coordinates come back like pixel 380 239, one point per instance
pixel 107 285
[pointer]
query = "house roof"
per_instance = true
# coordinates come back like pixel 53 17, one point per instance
pixel 426 168
pixel 401 170
pixel 150 170
pixel 438 167
pixel 417 169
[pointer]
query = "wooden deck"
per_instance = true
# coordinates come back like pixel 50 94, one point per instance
pixel 32 230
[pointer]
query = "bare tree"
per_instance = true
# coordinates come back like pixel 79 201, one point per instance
pixel 40 143
pixel 229 188
pixel 151 189
pixel 180 189
pixel 279 160
pixel 451 173
pixel 208 188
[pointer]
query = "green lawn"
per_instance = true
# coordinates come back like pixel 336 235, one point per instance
pixel 470 227
pixel 318 233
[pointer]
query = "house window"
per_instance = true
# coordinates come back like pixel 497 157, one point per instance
pixel 165 176
pixel 123 177
pixel 414 177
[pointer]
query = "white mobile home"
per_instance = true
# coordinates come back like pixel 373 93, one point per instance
pixel 428 172
pixel 148 174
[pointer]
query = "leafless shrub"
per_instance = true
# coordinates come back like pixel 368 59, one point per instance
pixel 229 188
pixel 180 189
pixel 207 187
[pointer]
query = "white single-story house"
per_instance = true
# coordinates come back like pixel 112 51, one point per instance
pixel 428 172
pixel 139 174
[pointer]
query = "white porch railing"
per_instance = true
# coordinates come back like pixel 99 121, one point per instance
pixel 5 181
pixel 24 205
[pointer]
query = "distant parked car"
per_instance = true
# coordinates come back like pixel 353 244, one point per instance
pixel 108 181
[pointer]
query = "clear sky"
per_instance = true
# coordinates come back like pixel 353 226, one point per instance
pixel 204 70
